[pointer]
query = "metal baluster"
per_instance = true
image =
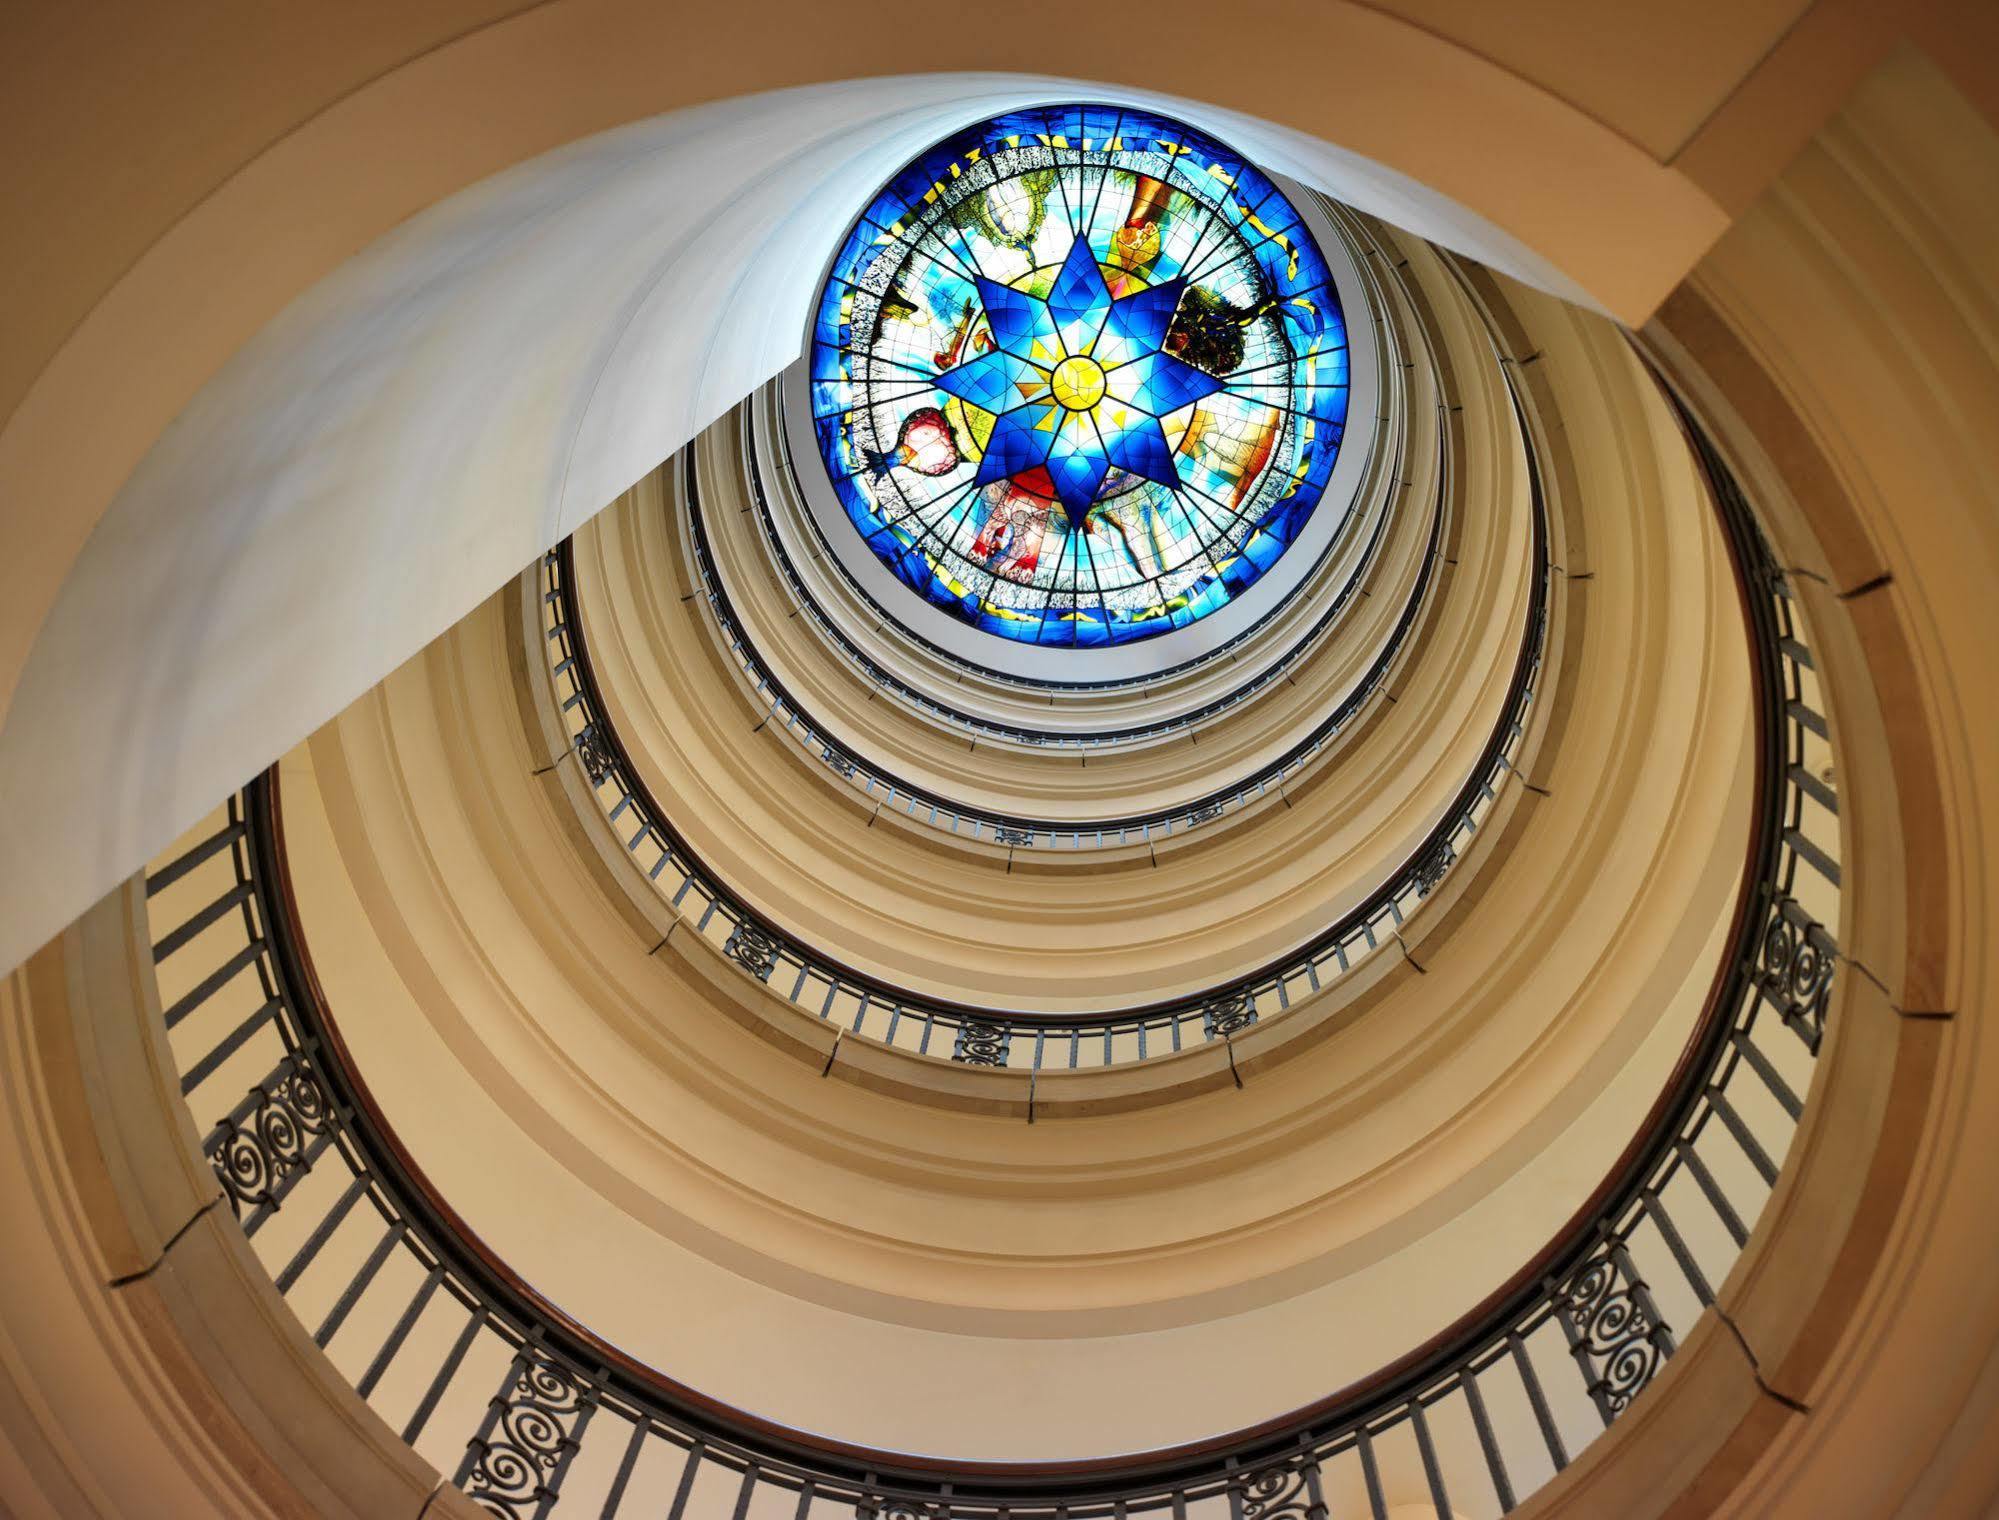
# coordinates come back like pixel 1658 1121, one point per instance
pixel 178 938
pixel 1655 1210
pixel 515 1462
pixel 211 984
pixel 321 1233
pixel 623 1477
pixel 1523 1363
pixel 1613 1328
pixel 1753 1148
pixel 1427 1448
pixel 1488 1443
pixel 427 1405
pixel 745 1492
pixel 344 1305
pixel 1371 1474
pixel 269 1140
pixel 686 1482
pixel 230 1043
pixel 206 849
pixel 1760 1064
pixel 399 1332
pixel 1732 1221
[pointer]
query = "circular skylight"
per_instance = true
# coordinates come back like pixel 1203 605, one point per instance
pixel 1079 376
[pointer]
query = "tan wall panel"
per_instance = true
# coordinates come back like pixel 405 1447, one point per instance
pixel 1419 128
pixel 147 1364
pixel 1844 338
pixel 1651 74
pixel 1332 1210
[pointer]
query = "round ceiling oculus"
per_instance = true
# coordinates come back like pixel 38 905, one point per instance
pixel 1079 376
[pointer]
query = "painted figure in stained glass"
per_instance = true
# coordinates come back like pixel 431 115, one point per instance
pixel 1079 375
pixel 924 443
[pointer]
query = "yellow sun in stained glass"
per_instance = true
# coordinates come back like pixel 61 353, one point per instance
pixel 1078 382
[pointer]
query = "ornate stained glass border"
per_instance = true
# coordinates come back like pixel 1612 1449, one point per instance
pixel 1079 375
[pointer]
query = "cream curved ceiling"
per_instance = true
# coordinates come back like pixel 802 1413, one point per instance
pixel 417 426
pixel 1190 915
pixel 844 1260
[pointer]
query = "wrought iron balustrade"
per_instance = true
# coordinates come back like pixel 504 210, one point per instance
pixel 532 1414
pixel 809 978
pixel 885 679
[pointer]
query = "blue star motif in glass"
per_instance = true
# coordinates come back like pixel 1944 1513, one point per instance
pixel 1079 375
pixel 1078 382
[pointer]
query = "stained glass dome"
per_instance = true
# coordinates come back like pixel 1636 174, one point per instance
pixel 1079 375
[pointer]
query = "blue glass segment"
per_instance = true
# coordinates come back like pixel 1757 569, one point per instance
pixel 1079 375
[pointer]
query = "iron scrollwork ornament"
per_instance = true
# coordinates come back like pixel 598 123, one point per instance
pixel 595 753
pixel 838 763
pixel 896 1509
pixel 513 1467
pixel 1283 1492
pixel 1614 1332
pixel 1228 1012
pixel 1794 971
pixel 980 1042
pixel 1435 862
pixel 752 948
pixel 1009 836
pixel 256 1157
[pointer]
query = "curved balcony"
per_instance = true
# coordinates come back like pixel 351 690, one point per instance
pixel 546 1415
pixel 1833 340
pixel 809 979
pixel 814 977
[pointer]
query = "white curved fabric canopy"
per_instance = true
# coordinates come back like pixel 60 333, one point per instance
pixel 448 404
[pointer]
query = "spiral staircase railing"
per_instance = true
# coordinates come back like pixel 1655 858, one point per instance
pixel 808 978
pixel 770 693
pixel 530 1411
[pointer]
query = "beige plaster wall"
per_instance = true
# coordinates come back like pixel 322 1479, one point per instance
pixel 1127 927
pixel 624 1142
pixel 1844 338
pixel 1424 129
pixel 147 1364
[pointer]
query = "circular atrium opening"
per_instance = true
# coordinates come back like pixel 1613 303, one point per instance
pixel 1080 377
pixel 818 780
